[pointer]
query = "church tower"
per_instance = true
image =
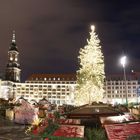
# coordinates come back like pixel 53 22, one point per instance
pixel 13 67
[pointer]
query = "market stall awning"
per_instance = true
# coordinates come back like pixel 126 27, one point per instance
pixel 122 131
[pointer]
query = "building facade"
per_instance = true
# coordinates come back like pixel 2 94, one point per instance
pixel 60 88
pixel 116 90
pixel 56 88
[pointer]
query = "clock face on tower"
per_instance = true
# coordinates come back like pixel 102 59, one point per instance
pixel 11 58
pixel 15 59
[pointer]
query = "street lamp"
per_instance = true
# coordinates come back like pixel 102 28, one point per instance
pixel 123 63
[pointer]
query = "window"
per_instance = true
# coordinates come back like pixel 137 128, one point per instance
pixel 58 101
pixel 134 83
pixel 117 83
pixel 49 89
pixel 129 91
pixel 58 89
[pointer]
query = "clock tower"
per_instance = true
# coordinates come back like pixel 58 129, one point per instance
pixel 13 67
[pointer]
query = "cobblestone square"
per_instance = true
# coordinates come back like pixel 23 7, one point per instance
pixel 12 131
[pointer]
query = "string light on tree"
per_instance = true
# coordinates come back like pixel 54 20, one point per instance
pixel 90 76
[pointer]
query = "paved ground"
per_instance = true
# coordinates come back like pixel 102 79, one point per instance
pixel 11 131
pixel 15 133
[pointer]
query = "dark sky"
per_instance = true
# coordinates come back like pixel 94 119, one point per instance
pixel 49 33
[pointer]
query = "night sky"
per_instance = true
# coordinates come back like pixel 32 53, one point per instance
pixel 49 33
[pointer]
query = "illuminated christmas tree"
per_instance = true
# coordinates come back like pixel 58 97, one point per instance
pixel 90 76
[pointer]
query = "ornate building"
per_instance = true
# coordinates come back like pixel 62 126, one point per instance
pixel 13 67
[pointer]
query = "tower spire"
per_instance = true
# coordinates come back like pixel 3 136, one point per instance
pixel 13 67
pixel 14 37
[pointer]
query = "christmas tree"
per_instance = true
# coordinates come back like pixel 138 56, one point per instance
pixel 90 76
